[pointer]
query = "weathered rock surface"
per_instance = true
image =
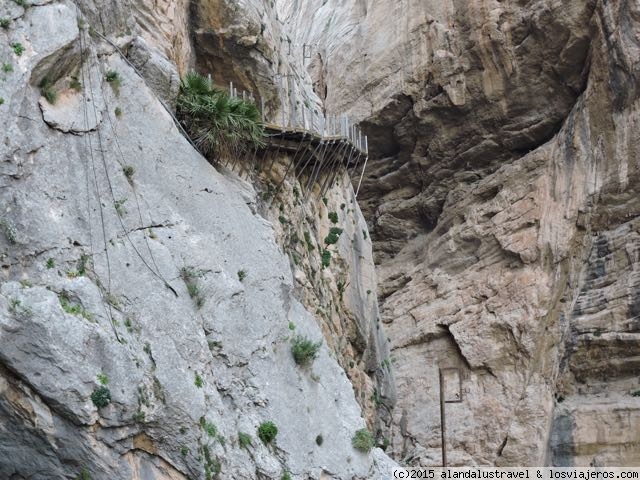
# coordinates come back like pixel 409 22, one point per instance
pixel 121 250
pixel 504 138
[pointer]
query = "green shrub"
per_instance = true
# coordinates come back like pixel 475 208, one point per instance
pixel 635 393
pixel 210 429
pixel 75 84
pixel 304 350
pixel 216 122
pixel 363 440
pixel 84 475
pixel 73 308
pixel 47 90
pixel 308 241
pixel 101 396
pixel 118 112
pixel 333 216
pixel 267 432
pixel 244 440
pixel 242 274
pixel 18 49
pixel 334 235
pixel 286 476
pixel 199 382
pixel 326 258
pixel 5 23
pixel 184 451
pixel 7 68
pixel 51 263
pixel 114 80
pixel 128 171
pixel 103 379
pixel 1 101
pixel 292 326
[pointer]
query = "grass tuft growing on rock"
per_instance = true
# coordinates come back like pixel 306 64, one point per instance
pixel 7 68
pixel 5 23
pixel 304 351
pixel 198 382
pixel 18 48
pixel 113 78
pixel 333 216
pixel 47 90
pixel 244 440
pixel 363 441
pixel 326 258
pixel 217 123
pixel 267 432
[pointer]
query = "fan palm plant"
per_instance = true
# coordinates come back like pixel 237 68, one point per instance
pixel 217 123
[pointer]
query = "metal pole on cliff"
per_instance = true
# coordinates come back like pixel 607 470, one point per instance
pixel 443 428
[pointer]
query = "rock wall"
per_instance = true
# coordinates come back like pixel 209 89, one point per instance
pixel 501 202
pixel 129 262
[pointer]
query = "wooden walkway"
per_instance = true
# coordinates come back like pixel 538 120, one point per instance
pixel 316 143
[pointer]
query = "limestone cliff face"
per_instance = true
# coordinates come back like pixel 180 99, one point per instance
pixel 127 259
pixel 501 199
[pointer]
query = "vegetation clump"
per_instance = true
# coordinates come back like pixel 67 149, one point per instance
pixel 101 396
pixel 5 23
pixel 304 351
pixel 7 68
pixel 363 440
pixel 113 78
pixel 267 432
pixel 334 235
pixel 244 440
pixel 18 48
pixel 47 90
pixel 333 216
pixel 326 258
pixel 216 122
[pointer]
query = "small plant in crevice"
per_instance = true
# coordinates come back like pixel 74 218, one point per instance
pixel 184 451
pixel 7 68
pixel 51 263
pixel 113 78
pixel 5 23
pixel 286 476
pixel 17 48
pixel 8 230
pixel 22 3
pixel 118 112
pixel 83 475
pixel 635 393
pixel 128 171
pixel 25 283
pixel 304 351
pixel 267 432
pixel 1 101
pixel 308 241
pixel 73 308
pixel 333 236
pixel 101 396
pixel 47 90
pixel 292 326
pixel 212 465
pixel 75 84
pixel 102 379
pixel 326 258
pixel 198 382
pixel 363 441
pixel 139 416
pixel 16 308
pixel 119 206
pixel 333 216
pixel 244 440
pixel 242 274
pixel 190 277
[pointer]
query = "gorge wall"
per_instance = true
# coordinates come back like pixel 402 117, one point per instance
pixel 501 199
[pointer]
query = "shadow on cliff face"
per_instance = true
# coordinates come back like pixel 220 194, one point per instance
pixel 561 445
pixel 518 71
